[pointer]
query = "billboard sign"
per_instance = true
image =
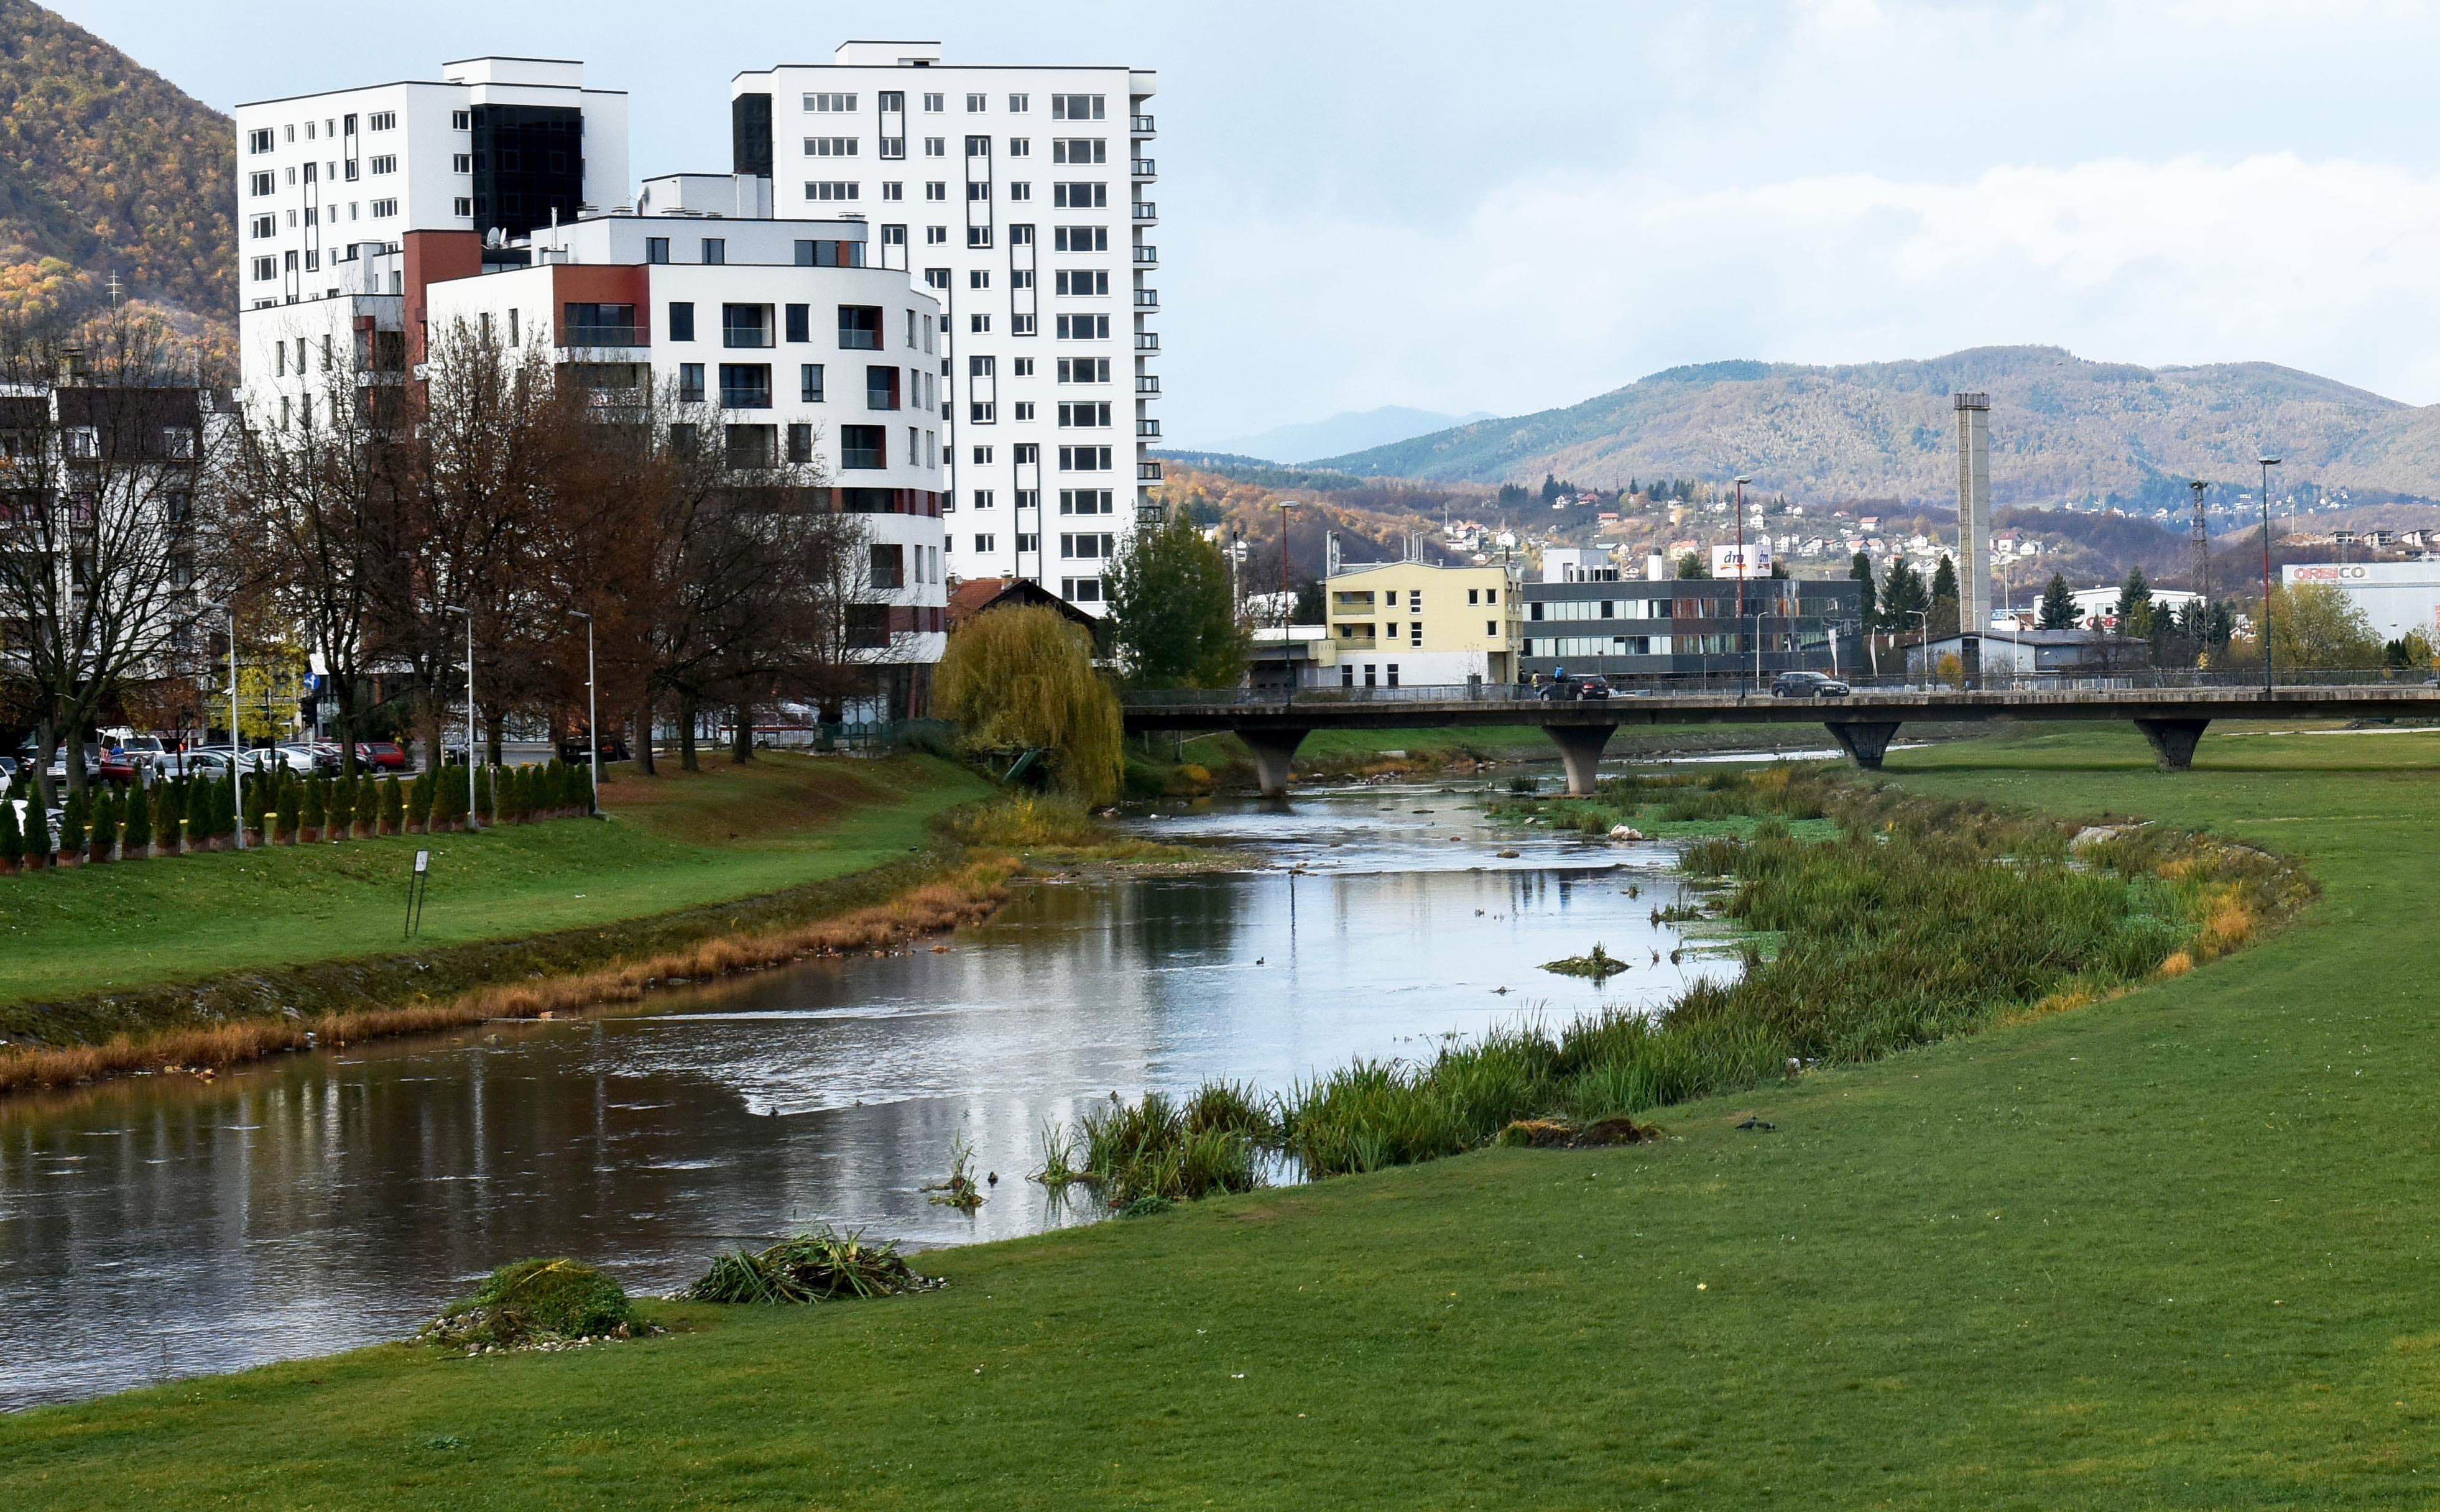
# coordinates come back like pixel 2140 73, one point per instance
pixel 1754 563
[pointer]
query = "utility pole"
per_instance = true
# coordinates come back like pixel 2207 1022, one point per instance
pixel 1286 664
pixel 2199 540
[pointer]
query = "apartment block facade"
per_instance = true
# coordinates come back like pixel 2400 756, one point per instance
pixel 1021 197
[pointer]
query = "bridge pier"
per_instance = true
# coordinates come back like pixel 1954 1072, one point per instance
pixel 1865 741
pixel 2173 740
pixel 1274 752
pixel 1580 749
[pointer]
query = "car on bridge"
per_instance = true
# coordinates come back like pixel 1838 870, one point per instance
pixel 1563 688
pixel 1807 685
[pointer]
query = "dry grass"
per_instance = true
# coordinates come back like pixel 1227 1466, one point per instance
pixel 969 895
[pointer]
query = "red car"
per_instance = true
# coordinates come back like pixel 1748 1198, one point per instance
pixel 382 755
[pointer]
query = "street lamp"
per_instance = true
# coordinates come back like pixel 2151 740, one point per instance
pixel 1285 663
pixel 592 715
pixel 2267 463
pixel 1742 481
pixel 236 770
pixel 474 818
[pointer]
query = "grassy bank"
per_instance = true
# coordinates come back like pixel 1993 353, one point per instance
pixel 2173 1248
pixel 139 949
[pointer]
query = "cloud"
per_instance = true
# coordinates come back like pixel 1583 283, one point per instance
pixel 1552 288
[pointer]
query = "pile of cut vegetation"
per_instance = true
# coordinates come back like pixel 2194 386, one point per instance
pixel 541 1304
pixel 823 1266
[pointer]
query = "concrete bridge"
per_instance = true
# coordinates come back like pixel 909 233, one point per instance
pixel 1864 722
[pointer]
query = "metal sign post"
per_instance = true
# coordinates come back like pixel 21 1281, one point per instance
pixel 419 886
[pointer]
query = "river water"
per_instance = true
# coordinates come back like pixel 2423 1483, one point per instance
pixel 162 1227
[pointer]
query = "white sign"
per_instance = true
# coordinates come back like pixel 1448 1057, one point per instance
pixel 423 862
pixel 1754 563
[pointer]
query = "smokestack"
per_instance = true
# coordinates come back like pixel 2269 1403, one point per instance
pixel 1656 568
pixel 1973 516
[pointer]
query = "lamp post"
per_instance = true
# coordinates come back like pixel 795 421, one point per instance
pixel 1286 665
pixel 237 768
pixel 592 715
pixel 474 818
pixel 2267 463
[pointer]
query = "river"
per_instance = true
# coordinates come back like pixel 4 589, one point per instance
pixel 162 1226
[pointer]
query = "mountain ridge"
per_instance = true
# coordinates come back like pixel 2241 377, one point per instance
pixel 2062 427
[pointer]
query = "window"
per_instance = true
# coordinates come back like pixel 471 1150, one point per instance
pixel 1088 546
pixel 1086 416
pixel 1019 104
pixel 881 388
pixel 1027 455
pixel 1083 282
pixel 458 163
pixel 1080 239
pixel 258 183
pixel 1076 107
pixel 835 104
pixel 1024 409
pixel 800 322
pixel 977 279
pixel 978 191
pixel 716 251
pixel 259 141
pixel 690 382
pixel 382 120
pixel 982 498
pixel 1080 196
pixel 265 226
pixel 859 328
pixel 829 147
pixel 1084 459
pixel 834 189
pixel 1021 324
pixel 462 208
pixel 864 447
pixel 979 236
pixel 265 269
pixel 1079 149
pixel 801 442
pixel 1020 147
pixel 1084 327
pixel 976 104
pixel 1084 369
pixel 753 446
pixel 980 324
pixel 1084 501
pixel 936 191
pixel 809 382
pixel 681 321
pixel 746 385
pixel 936 277
pixel 893 148
pixel 1020 193
pixel 599 325
pixel 461 121
pixel 889 566
pixel 936 147
pixel 936 236
pixel 934 104
pixel 385 209
pixel 986 541
pixel 745 326
pixel 982 411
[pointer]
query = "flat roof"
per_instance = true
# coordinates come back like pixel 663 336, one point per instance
pixel 419 84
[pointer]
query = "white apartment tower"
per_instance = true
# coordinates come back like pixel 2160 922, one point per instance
pixel 505 144
pixel 1019 196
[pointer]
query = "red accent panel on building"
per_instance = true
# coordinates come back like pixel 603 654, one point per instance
pixel 620 283
pixel 434 256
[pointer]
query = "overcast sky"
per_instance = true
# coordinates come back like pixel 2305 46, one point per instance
pixel 1460 205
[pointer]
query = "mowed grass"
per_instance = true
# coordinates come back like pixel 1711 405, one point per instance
pixel 671 842
pixel 2180 1248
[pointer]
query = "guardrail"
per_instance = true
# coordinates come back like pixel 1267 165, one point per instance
pixel 1720 684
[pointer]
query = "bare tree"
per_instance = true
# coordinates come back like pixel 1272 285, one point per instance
pixel 102 445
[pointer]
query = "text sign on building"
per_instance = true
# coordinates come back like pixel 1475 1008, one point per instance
pixel 1755 562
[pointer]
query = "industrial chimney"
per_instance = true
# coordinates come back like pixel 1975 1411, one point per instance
pixel 1973 526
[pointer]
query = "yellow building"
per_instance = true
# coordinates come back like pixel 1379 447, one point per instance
pixel 1411 624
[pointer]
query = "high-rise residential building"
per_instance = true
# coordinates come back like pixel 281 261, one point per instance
pixel 505 144
pixel 1021 197
pixel 779 342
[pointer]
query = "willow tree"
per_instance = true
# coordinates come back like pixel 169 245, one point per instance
pixel 1023 679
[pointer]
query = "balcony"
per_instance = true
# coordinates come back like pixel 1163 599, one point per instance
pixel 1147 299
pixel 1139 125
pixel 575 334
pixel 1147 341
pixel 1146 212
pixel 1142 168
pixel 1148 385
pixel 1147 257
pixel 1147 473
pixel 1148 429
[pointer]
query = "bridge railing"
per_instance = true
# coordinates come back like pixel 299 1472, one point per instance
pixel 1722 685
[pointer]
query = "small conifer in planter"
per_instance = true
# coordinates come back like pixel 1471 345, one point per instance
pixel 393 808
pixel 13 840
pixel 72 831
pixel 311 815
pixel 103 844
pixel 169 818
pixel 339 808
pixel 136 830
pixel 199 814
pixel 486 808
pixel 419 803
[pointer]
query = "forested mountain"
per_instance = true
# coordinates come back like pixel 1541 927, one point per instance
pixel 107 169
pixel 2062 428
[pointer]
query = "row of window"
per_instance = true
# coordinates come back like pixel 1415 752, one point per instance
pixel 1082 151
pixel 860 327
pixel 1064 196
pixel 862 447
pixel 260 140
pixel 1071 501
pixel 747 385
pixel 1062 107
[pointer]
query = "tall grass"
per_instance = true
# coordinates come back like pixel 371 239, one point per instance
pixel 1920 920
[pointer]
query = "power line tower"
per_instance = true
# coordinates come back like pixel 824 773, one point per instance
pixel 2199 540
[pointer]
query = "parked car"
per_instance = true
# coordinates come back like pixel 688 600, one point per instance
pixel 214 764
pixel 300 759
pixel 1807 685
pixel 576 748
pixel 145 750
pixel 382 755
pixel 9 767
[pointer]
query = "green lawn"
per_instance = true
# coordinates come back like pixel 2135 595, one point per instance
pixel 2176 1250
pixel 673 841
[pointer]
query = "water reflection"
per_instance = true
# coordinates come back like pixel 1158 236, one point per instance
pixel 166 1227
